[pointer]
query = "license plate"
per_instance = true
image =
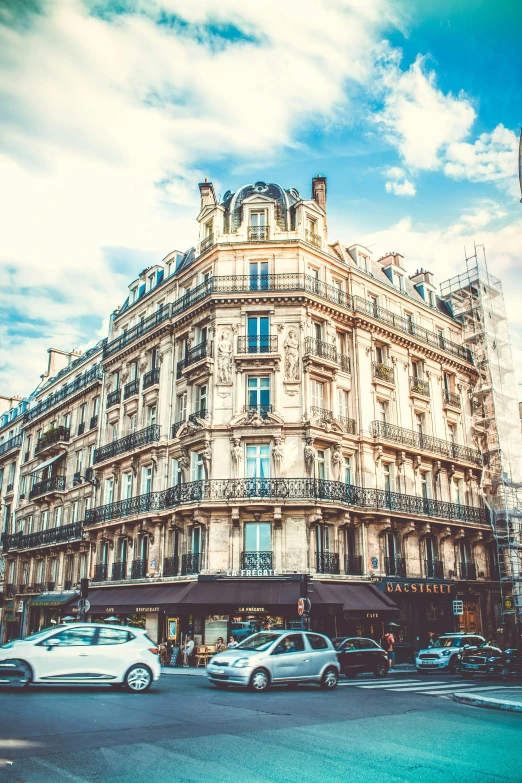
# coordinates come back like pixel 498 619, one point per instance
pixel 473 666
pixel 217 670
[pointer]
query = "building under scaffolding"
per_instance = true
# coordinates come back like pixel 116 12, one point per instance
pixel 477 298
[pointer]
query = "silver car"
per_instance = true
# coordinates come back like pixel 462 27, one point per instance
pixel 273 657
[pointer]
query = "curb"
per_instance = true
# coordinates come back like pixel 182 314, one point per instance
pixel 484 701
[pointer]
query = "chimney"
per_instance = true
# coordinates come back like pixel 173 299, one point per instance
pixel 208 197
pixel 319 191
pixel 58 360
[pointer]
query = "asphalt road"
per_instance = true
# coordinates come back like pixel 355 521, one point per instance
pixel 185 731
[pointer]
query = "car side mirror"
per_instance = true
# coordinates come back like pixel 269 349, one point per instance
pixel 52 643
pixel 465 647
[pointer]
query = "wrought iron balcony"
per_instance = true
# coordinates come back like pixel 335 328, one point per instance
pixel 421 442
pixel 67 585
pixel 130 442
pixel 89 474
pixel 171 566
pixel 113 398
pixel 94 422
pixel 350 425
pixel 137 331
pixel 39 587
pixel 322 350
pixel 10 590
pixel 100 572
pixel 401 324
pixel 191 563
pixel 467 571
pixel 434 569
pixel 395 566
pixel 45 487
pixel 175 427
pixel 119 571
pixel 195 417
pixel 419 386
pixel 313 238
pixel 257 343
pixel 206 243
pixel 258 233
pixel 196 354
pixel 139 569
pixel 131 389
pixel 323 415
pixel 13 443
pixel 450 398
pixel 353 565
pixel 328 563
pixel 151 378
pixel 261 561
pixel 81 428
pixel 51 438
pixel 82 382
pixel 9 488
pixel 53 535
pixel 262 410
pixel 383 372
pixel 301 489
pixel 51 586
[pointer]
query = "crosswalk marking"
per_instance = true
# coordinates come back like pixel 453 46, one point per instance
pixel 431 688
pixel 396 685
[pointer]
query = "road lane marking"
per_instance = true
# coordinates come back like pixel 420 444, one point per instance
pixel 395 686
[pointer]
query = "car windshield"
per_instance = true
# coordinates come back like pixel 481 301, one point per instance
pixel 337 643
pixel 446 642
pixel 259 641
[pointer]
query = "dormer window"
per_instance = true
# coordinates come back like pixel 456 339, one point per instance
pixel 134 294
pixel 311 234
pixel 151 281
pixel 258 229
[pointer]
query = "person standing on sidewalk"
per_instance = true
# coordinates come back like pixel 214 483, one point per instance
pixel 188 649
pixel 388 642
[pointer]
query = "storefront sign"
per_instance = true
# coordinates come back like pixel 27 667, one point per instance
pixel 138 610
pixel 436 588
pixel 255 572
pixel 508 605
pixel 372 615
pixel 250 609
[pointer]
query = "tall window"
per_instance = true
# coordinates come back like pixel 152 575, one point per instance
pixel 96 406
pixel 109 490
pixel 258 334
pixel 382 411
pixel 176 473
pixel 259 279
pixel 259 393
pixel 347 467
pixel 152 415
pixel 318 330
pixel 322 538
pixel 322 465
pixel 410 322
pixel 380 354
pixel 391 546
pixel 58 516
pixel 126 486
pixel 132 423
pixel 417 369
pixel 146 479
pixel 201 397
pixel 257 537
pixel 258 461
pixel 195 540
pixel 424 485
pixel 431 547
pixel 317 393
pixel 343 397
pixel 182 406
pixel 373 302
pixel 387 477
pixel 197 467
pixel 452 433
pixel 45 520
pixel 75 509
pixel 419 423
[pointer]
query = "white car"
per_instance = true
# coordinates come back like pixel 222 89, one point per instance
pixel 82 653
pixel 444 654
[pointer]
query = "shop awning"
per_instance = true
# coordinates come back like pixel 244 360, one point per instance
pixel 48 462
pixel 138 598
pixel 351 597
pixel 53 599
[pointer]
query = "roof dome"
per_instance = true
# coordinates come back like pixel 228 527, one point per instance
pixel 285 200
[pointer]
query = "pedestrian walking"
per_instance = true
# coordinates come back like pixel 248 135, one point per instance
pixel 388 642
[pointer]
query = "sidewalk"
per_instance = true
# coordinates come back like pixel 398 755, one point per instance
pixel 507 699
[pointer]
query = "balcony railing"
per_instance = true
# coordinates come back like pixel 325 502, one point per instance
pixel 395 566
pixel 53 535
pixel 419 386
pixel 171 566
pixel 51 586
pixel 119 571
pixel 434 569
pixel 258 233
pixel 383 372
pixel 137 331
pixel 315 347
pixel 49 438
pixel 305 489
pixel 131 389
pixel 13 443
pixel 202 413
pixel 130 442
pixel 53 484
pixel 262 410
pixel 323 415
pixel 353 565
pixel 191 563
pixel 175 427
pixel 467 571
pixel 313 238
pixel 195 354
pixel 101 571
pixel 350 425
pixel 151 378
pixel 419 441
pixel 88 378
pixel 450 398
pixel 257 343
pixel 262 561
pixel 328 563
pixel 113 398
pixel 139 569
pixel 68 584
pixel 207 242
pixel 94 422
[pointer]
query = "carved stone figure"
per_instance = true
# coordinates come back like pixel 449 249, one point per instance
pixel 207 458
pixel 277 455
pixel 309 455
pixel 291 346
pixel 337 462
pixel 224 359
pixel 184 463
pixel 237 454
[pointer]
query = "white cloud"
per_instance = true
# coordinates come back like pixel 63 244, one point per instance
pixel 492 158
pixel 418 118
pixel 404 188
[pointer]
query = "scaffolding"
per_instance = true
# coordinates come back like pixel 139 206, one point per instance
pixel 477 300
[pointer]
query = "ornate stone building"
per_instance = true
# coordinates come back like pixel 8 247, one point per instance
pixel 275 406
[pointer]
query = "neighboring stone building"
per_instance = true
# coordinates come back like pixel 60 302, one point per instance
pixel 275 406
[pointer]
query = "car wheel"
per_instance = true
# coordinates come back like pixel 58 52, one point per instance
pixel 259 681
pixel 466 675
pixel 381 670
pixel 26 674
pixel 138 679
pixel 329 680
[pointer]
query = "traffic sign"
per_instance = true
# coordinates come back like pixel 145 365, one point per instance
pixel 508 604
pixel 303 606
pixel 84 605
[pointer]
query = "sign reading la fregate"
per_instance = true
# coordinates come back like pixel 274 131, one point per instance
pixel 437 588
pixel 252 572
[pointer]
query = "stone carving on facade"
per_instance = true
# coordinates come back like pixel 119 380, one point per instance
pixel 254 418
pixel 224 359
pixel 278 453
pixel 207 458
pixel 309 455
pixel 291 346
pixel 337 462
pixel 184 463
pixel 237 454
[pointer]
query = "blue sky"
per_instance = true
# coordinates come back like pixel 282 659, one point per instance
pixel 114 111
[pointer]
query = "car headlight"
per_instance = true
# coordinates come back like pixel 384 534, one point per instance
pixel 494 659
pixel 241 663
pixel 446 652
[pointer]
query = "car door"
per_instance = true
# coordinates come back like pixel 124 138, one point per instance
pixel 65 655
pixel 112 653
pixel 369 655
pixel 320 653
pixel 290 659
pixel 348 655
